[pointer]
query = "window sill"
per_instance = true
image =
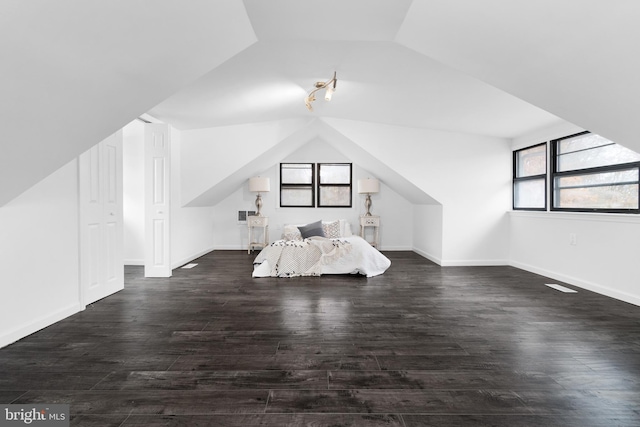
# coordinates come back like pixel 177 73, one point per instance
pixel 579 216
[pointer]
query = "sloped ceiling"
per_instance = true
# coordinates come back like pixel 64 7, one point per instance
pixel 251 163
pixel 499 68
pixel 379 80
pixel 75 71
pixel 315 132
pixel 576 59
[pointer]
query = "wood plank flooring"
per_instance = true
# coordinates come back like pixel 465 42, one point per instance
pixel 418 346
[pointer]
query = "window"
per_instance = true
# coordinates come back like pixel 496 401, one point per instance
pixel 299 186
pixel 591 173
pixel 334 185
pixel 530 178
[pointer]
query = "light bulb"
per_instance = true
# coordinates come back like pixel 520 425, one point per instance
pixel 328 93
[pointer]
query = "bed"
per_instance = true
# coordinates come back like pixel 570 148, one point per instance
pixel 322 247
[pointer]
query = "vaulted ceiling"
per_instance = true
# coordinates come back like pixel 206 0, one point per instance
pixel 75 71
pixel 380 80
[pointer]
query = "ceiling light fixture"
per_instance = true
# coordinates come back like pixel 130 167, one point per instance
pixel 329 85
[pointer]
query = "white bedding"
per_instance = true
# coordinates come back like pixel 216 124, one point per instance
pixel 362 258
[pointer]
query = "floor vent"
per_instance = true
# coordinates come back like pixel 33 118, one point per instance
pixel 189 265
pixel 560 288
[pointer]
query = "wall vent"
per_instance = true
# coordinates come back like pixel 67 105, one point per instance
pixel 561 288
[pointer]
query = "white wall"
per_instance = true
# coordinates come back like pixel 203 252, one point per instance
pixel 427 231
pixel 191 228
pixel 470 175
pixel 133 193
pixel 604 258
pixel 39 252
pixel 396 231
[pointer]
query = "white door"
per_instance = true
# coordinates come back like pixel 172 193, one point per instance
pixel 113 213
pixel 157 201
pixel 100 205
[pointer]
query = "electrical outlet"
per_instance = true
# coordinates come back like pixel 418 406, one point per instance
pixel 573 239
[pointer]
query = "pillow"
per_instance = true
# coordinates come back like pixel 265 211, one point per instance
pixel 313 229
pixel 331 229
pixel 345 228
pixel 291 232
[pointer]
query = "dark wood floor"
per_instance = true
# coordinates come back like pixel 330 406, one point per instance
pixel 419 346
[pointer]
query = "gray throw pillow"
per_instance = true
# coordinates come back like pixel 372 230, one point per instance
pixel 313 229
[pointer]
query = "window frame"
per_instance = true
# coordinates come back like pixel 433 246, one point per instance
pixel 554 173
pixel 294 185
pixel 517 179
pixel 316 185
pixel 319 185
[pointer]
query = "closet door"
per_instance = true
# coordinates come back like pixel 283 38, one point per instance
pixel 157 201
pixel 100 206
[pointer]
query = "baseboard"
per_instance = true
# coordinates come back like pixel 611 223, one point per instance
pixel 474 263
pixel 231 248
pixel 190 258
pixel 395 248
pixel 584 284
pixel 427 256
pixel 38 324
pixel 133 262
pixel 461 263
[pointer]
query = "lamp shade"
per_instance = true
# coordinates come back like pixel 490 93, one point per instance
pixel 259 184
pixel 368 186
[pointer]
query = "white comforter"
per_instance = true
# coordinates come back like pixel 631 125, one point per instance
pixel 362 258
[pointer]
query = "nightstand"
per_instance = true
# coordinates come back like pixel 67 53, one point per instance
pixel 254 222
pixel 370 221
